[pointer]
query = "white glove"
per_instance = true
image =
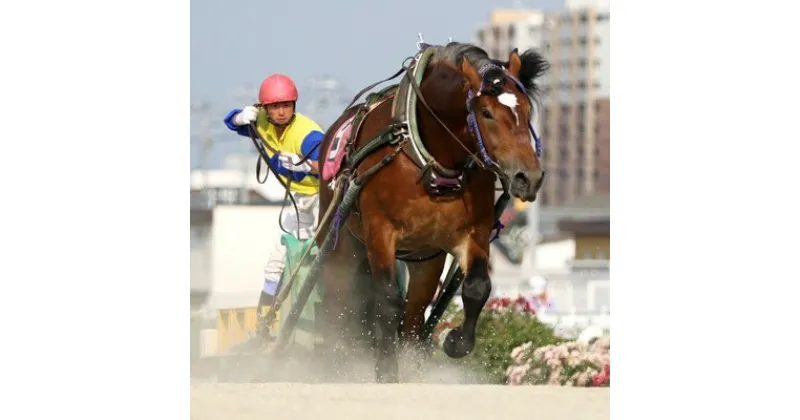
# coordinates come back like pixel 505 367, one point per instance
pixel 288 161
pixel 248 115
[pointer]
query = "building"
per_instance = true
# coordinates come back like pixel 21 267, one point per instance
pixel 574 122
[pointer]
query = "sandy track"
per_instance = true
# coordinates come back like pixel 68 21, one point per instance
pixel 233 401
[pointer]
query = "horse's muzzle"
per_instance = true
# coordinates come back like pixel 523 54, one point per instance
pixel 525 184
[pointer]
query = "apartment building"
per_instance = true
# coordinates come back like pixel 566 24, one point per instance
pixel 574 122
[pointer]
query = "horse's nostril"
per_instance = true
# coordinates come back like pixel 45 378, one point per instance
pixel 521 180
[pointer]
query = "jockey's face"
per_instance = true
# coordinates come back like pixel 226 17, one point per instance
pixel 281 112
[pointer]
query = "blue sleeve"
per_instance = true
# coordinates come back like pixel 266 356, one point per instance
pixel 296 176
pixel 312 140
pixel 240 130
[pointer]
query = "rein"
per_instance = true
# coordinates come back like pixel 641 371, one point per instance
pixel 262 155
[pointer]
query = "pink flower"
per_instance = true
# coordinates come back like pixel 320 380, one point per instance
pixel 538 353
pixel 516 353
pixel 599 379
pixel 554 363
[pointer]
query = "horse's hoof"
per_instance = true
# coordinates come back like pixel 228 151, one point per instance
pixel 387 372
pixel 456 345
pixel 388 379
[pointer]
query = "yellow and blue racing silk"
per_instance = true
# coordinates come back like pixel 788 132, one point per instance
pixel 301 137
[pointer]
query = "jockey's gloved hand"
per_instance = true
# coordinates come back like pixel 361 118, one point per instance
pixel 288 161
pixel 248 115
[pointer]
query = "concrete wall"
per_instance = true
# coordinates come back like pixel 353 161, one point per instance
pixel 241 239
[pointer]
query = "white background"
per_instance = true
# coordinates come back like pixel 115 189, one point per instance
pixel 95 152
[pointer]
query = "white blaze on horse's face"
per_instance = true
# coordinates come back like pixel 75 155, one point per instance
pixel 509 100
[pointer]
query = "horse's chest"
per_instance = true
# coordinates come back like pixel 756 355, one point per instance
pixel 432 223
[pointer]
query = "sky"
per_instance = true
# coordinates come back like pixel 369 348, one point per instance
pixel 358 42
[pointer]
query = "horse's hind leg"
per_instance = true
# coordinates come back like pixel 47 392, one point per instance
pixel 380 240
pixel 477 287
pixel 340 306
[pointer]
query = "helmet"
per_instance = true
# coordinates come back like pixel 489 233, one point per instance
pixel 277 88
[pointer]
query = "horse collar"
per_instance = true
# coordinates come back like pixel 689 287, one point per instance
pixel 438 179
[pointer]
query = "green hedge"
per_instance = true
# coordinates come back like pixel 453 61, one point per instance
pixel 503 325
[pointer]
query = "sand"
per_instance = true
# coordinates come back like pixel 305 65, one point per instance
pixel 234 401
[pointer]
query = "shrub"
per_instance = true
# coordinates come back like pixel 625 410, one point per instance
pixel 503 325
pixel 571 363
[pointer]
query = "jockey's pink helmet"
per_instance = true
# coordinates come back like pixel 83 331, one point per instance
pixel 277 88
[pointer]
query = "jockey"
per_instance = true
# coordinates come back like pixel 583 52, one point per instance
pixel 294 136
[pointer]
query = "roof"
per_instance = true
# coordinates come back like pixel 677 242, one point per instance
pixel 556 237
pixel 271 190
pixel 585 227
pixel 594 201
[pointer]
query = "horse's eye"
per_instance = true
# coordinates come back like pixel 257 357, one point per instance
pixel 486 114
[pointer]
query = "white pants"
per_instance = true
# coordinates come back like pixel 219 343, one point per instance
pixel 308 213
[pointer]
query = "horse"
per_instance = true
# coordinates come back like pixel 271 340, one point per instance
pixel 430 191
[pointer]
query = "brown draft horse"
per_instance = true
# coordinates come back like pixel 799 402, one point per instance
pixel 395 212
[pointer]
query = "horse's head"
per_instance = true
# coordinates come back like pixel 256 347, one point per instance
pixel 500 105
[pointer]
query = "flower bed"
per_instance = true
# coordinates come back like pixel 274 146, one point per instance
pixel 503 325
pixel 571 364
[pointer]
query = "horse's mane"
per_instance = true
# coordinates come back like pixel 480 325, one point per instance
pixel 533 64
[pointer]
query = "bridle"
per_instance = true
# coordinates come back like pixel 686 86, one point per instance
pixel 484 161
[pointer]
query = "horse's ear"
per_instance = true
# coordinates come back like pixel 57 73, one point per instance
pixel 514 63
pixel 472 76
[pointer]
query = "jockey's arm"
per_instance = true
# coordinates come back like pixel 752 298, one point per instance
pixel 310 147
pixel 240 130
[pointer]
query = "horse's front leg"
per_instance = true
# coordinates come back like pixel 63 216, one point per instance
pixel 474 261
pixel 379 236
pixel 423 282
